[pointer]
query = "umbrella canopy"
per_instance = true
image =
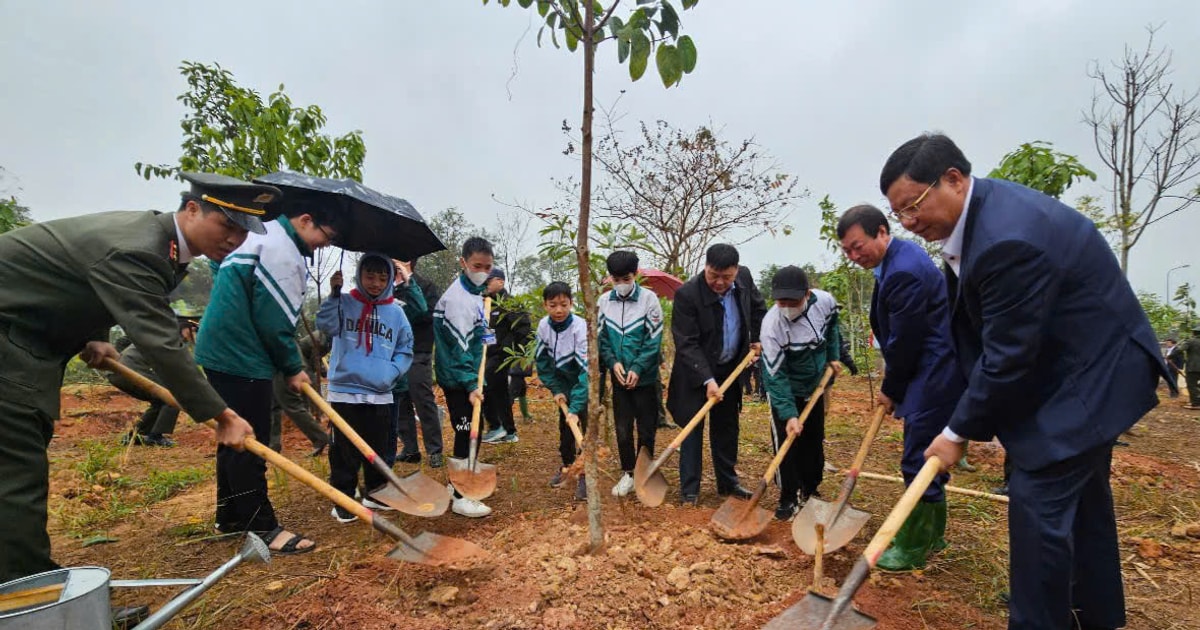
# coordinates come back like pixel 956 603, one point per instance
pixel 377 222
pixel 661 283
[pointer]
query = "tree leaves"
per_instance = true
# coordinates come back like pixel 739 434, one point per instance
pixel 670 69
pixel 639 54
pixel 687 54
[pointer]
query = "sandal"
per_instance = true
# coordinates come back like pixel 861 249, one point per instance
pixel 291 547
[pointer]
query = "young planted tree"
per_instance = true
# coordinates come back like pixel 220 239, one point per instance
pixel 1038 166
pixel 230 129
pixel 686 189
pixel 1146 131
pixel 12 214
pixel 653 26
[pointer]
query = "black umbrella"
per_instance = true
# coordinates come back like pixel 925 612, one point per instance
pixel 378 222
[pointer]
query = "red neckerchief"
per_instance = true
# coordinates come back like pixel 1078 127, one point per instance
pixel 368 310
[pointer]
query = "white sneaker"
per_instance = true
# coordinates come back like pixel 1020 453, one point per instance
pixel 495 435
pixel 340 518
pixel 624 486
pixel 463 506
pixel 378 507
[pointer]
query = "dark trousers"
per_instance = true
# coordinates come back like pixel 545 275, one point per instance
pixel 1063 541
pixel 1192 378
pixel 802 469
pixel 458 404
pixel 158 417
pixel 296 407
pixel 723 432
pixel 920 428
pixel 417 403
pixel 566 439
pixel 634 407
pixel 24 486
pixel 242 501
pixel 371 423
pixel 497 398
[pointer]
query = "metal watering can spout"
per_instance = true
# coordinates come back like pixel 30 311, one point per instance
pixel 253 550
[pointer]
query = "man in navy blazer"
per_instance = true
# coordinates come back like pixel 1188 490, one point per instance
pixel 910 316
pixel 1059 359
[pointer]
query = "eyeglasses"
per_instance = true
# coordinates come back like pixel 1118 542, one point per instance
pixel 328 236
pixel 909 211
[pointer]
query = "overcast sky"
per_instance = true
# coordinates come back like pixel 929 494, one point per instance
pixel 829 88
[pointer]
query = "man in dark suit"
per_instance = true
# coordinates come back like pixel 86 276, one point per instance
pixel 1059 360
pixel 910 316
pixel 63 284
pixel 716 321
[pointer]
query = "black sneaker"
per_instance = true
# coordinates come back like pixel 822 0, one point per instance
pixel 435 460
pixel 559 479
pixel 786 510
pixel 736 491
pixel 581 489
pixel 409 458
pixel 156 439
pixel 689 500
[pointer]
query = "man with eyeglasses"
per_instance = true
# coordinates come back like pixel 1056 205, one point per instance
pixel 1059 360
pixel 910 317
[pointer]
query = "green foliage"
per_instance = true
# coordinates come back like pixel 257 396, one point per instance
pixel 452 227
pixel 1038 166
pixel 849 284
pixel 560 234
pixel 651 27
pixel 229 129
pixel 1166 320
pixel 13 215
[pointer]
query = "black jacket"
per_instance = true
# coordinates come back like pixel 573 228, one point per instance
pixel 512 327
pixel 422 326
pixel 697 328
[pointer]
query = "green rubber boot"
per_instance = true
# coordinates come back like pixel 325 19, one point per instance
pixel 938 533
pixel 913 542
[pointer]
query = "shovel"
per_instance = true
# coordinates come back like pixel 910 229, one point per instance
pixel 574 428
pixel 817 612
pixel 841 522
pixel 415 494
pixel 739 519
pixel 470 478
pixel 999 498
pixel 648 481
pixel 425 548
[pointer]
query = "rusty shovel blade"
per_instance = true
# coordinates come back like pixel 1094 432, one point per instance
pixel 810 614
pixel 477 484
pixel 837 533
pixel 436 550
pixel 737 519
pixel 650 485
pixel 418 495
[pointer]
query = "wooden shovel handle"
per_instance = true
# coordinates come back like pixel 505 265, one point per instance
pixel 708 404
pixel 288 466
pixel 787 442
pixel 903 508
pixel 339 422
pixel 955 489
pixel 574 426
pixel 477 406
pixel 865 447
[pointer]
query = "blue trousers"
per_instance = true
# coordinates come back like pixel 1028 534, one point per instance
pixel 919 430
pixel 1065 568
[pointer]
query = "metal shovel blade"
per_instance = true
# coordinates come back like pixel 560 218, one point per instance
pixel 837 534
pixel 436 550
pixel 477 484
pixel 810 613
pixel 651 487
pixel 418 495
pixel 736 519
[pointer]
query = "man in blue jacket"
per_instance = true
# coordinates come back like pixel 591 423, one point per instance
pixel 910 317
pixel 1059 360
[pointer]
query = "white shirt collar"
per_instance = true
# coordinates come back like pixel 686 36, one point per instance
pixel 185 254
pixel 952 246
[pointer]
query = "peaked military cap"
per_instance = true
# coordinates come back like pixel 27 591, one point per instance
pixel 243 202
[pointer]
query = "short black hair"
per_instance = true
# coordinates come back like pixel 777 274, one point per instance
pixel 476 245
pixel 205 207
pixel 621 263
pixel 323 213
pixel 924 159
pixel 374 264
pixel 556 289
pixel 721 256
pixel 866 216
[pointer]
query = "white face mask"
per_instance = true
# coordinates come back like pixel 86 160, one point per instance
pixel 623 289
pixel 790 313
pixel 477 278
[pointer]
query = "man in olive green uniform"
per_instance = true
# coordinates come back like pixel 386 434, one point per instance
pixel 295 404
pixel 1191 368
pixel 63 284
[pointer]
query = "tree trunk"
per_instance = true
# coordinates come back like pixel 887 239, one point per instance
pixel 596 414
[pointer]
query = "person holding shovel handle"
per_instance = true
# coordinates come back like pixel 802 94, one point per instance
pixel 800 336
pixel 910 316
pixel 1059 359
pixel 64 284
pixel 561 355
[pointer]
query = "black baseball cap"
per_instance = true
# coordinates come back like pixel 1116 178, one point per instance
pixel 243 202
pixel 789 283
